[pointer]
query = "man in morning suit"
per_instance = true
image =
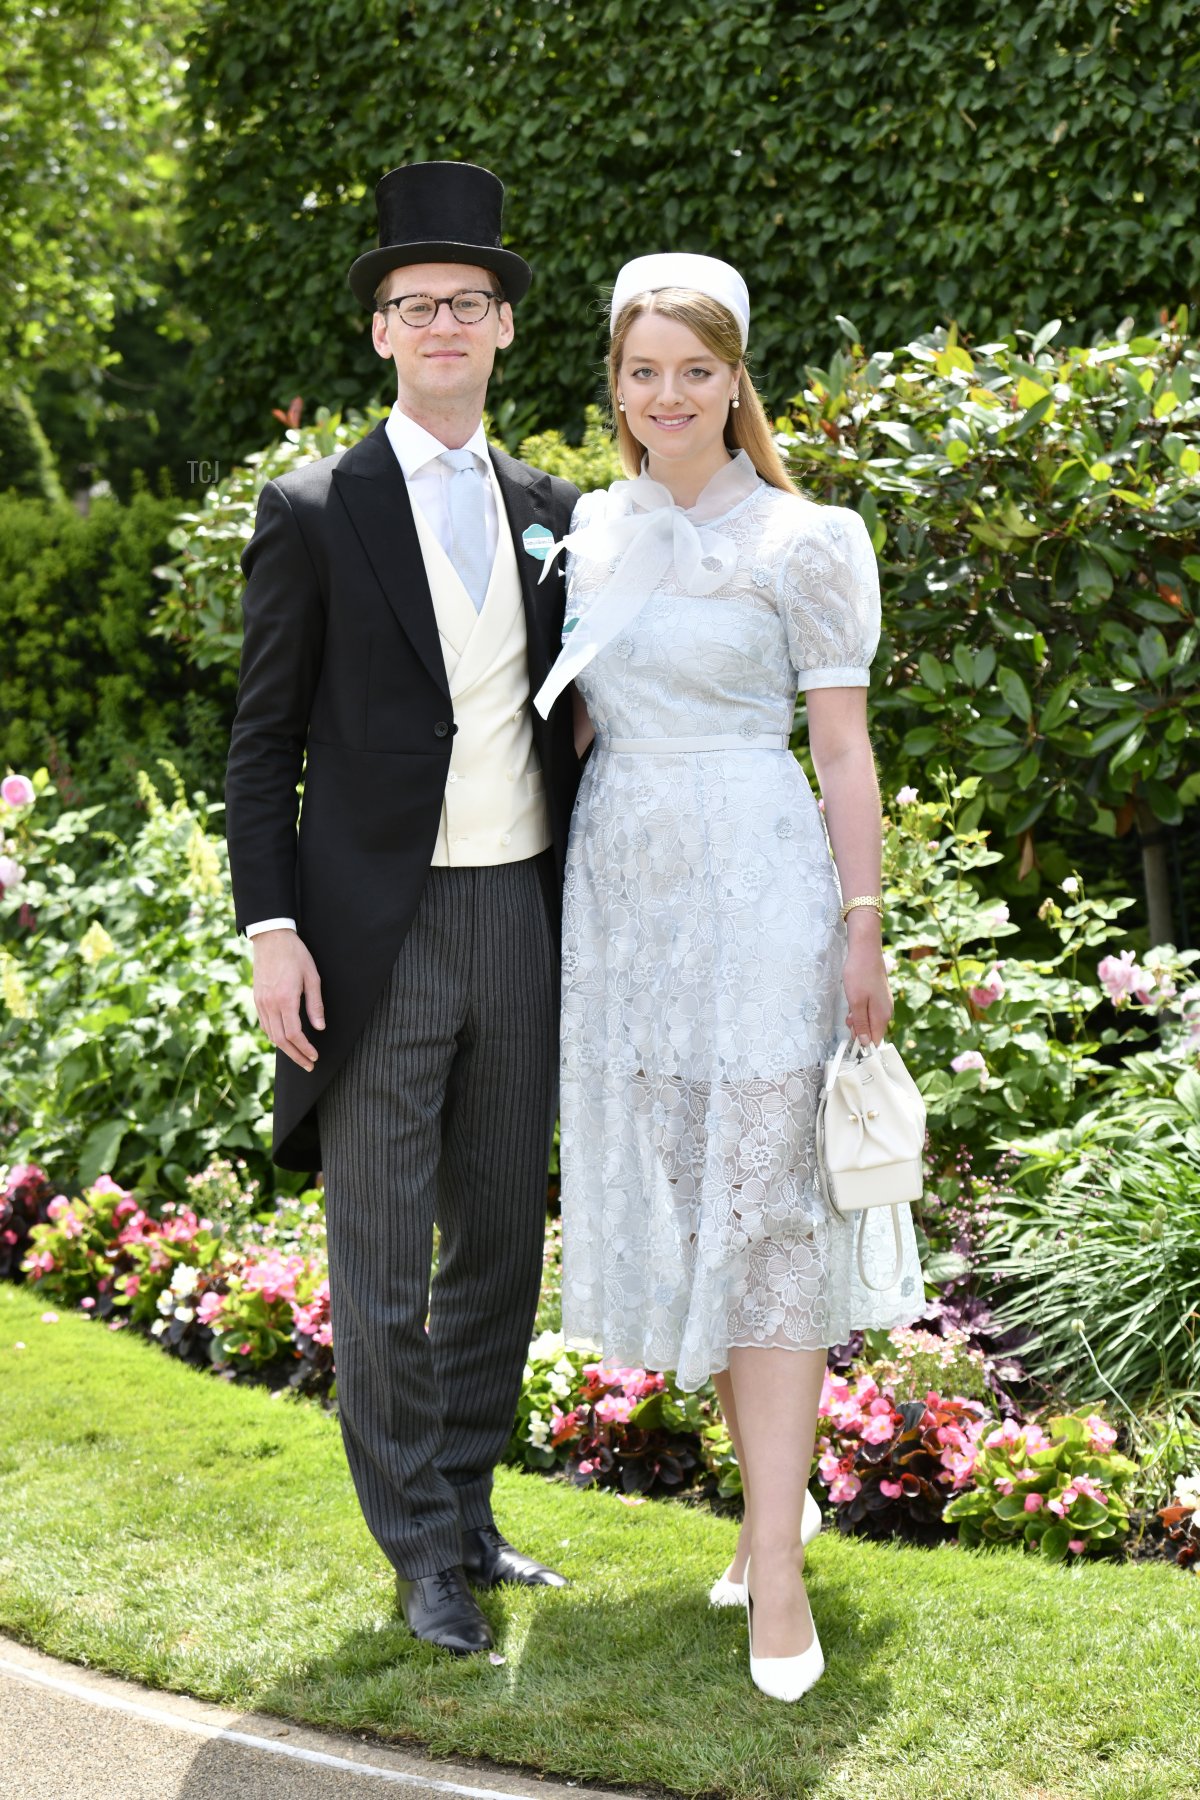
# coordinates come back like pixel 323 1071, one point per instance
pixel 406 934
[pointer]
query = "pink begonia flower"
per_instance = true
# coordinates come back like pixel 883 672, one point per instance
pixel 586 1466
pixel 844 1488
pixel 878 1429
pixel 882 1405
pixel 632 1499
pixel 893 1489
pixel 244 1349
pixel 132 1284
pixel 968 1059
pixel 829 1466
pixel 1101 1436
pixel 104 1184
pixel 1078 1545
pixel 1034 1502
pixel 1004 1485
pixel 17 790
pixel 1084 1484
pixel 991 988
pixel 1056 1507
pixel 41 1264
pixel 905 796
pixel 12 873
pixel 209 1307
pixel 87 1303
pixel 49 1318
pixel 614 1409
pixel 1007 1433
pixel 1122 976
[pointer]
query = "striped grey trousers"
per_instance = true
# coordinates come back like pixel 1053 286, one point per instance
pixel 443 1111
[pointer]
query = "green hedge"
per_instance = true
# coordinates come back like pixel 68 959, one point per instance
pixel 994 165
pixel 83 686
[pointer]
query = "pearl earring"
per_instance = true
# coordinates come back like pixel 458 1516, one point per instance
pixel 620 406
pixel 735 401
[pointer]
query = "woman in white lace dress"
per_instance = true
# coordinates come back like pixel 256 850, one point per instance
pixel 707 968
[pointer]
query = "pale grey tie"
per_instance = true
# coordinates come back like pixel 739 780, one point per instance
pixel 468 523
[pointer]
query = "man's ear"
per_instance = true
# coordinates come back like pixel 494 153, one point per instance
pixel 508 330
pixel 379 335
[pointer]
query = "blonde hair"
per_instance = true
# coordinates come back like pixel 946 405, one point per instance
pixel 746 427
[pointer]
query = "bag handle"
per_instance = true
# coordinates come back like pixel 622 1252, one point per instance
pixel 878 1287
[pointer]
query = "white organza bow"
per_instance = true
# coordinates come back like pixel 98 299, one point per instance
pixel 638 533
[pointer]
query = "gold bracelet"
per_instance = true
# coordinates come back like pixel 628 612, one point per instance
pixel 875 900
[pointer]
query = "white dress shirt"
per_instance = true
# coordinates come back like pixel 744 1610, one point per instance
pixel 417 451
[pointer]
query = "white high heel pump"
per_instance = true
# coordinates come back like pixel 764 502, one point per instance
pixel 727 1592
pixel 783 1677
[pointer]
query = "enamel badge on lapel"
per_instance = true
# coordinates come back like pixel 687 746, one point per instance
pixel 538 541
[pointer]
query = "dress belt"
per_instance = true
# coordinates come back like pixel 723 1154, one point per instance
pixel 669 746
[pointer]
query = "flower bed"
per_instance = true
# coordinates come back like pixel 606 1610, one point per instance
pixel 911 1442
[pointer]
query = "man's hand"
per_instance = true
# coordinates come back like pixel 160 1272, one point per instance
pixel 285 974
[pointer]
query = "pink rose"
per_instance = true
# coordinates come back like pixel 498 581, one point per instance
pixel 991 988
pixel 17 790
pixel 1122 977
pixel 969 1059
pixel 12 873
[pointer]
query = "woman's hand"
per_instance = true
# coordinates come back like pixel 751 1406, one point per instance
pixel 868 995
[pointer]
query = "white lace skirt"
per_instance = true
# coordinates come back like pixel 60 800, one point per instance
pixel 702 958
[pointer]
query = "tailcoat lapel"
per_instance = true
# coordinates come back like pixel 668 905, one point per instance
pixel 527 499
pixel 375 496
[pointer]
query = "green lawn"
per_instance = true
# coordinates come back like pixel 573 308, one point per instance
pixel 197 1536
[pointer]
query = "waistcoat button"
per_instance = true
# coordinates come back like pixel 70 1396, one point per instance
pixel 441 729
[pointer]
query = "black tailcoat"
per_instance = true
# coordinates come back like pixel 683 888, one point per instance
pixel 343 683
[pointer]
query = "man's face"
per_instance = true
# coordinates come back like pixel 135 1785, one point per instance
pixel 442 360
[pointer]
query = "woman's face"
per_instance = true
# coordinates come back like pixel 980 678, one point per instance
pixel 676 393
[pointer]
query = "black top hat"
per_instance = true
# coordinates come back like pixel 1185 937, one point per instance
pixel 439 212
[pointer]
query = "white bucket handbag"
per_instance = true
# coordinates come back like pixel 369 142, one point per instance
pixel 870 1138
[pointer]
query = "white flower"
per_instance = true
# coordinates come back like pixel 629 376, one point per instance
pixel 906 796
pixel 185 1280
pixel 539 1431
pixel 185 1314
pixel 159 1325
pixel 1071 885
pixel 559 1386
pixel 166 1304
pixel 543 1347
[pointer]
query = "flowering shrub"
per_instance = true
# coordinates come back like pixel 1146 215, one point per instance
pixel 25 1195
pixel 127 1028
pixel 909 1362
pixel 1060 1492
pixel 1006 1046
pixel 1181 1519
pixel 249 1295
pixel 888 1465
pixel 612 1427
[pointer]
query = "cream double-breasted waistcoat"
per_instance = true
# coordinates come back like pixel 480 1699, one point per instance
pixel 494 809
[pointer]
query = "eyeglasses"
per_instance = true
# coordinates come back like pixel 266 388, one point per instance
pixel 468 307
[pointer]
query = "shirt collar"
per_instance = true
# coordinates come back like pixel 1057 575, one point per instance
pixel 415 447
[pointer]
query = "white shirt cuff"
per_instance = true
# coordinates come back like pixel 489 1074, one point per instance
pixel 270 925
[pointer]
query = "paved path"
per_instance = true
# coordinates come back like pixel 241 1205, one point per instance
pixel 68 1734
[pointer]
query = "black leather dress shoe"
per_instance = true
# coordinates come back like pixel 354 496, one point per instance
pixel 490 1560
pixel 441 1609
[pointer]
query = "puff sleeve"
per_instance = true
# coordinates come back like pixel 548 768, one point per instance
pixel 829 598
